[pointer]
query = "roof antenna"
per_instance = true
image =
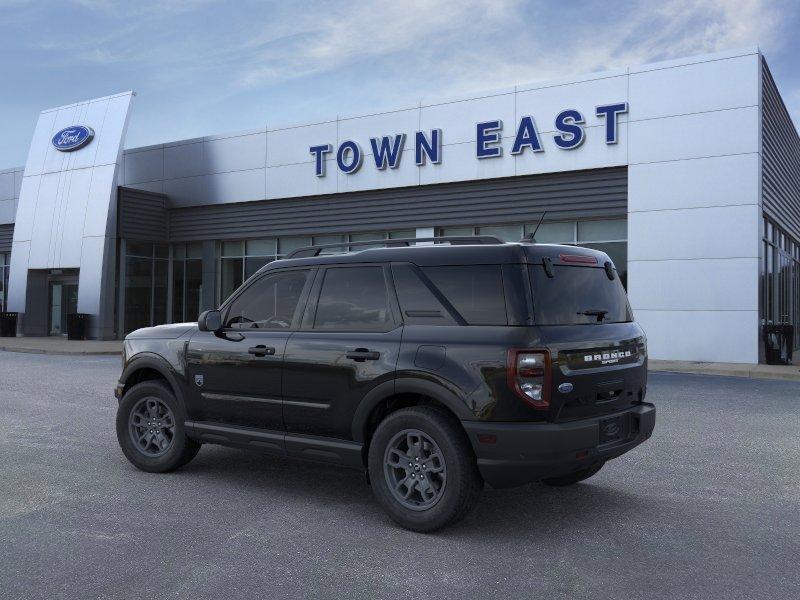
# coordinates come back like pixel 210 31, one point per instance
pixel 530 237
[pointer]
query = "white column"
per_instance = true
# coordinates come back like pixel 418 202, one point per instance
pixel 693 209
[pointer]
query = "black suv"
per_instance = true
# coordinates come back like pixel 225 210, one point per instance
pixel 434 367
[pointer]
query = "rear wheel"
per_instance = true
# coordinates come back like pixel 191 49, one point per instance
pixel 150 428
pixel 575 477
pixel 422 469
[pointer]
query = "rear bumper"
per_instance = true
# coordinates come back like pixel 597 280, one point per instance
pixel 511 454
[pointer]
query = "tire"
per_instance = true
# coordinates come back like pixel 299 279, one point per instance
pixel 169 448
pixel 573 478
pixel 448 494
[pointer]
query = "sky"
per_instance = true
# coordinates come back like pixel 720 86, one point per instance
pixel 203 67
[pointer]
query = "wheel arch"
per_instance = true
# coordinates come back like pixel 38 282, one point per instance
pixel 149 366
pixel 403 392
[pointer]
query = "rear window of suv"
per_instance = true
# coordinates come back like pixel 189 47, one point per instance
pixel 577 295
pixel 475 291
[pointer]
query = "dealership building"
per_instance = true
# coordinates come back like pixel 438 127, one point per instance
pixel 686 172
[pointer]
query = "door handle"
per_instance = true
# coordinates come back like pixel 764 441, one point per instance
pixel 261 350
pixel 362 354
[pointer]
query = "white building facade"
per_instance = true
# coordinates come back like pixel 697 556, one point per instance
pixel 686 172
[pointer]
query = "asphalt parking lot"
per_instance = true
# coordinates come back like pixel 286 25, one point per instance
pixel 708 508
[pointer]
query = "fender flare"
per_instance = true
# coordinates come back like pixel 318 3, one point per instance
pixel 150 360
pixel 406 385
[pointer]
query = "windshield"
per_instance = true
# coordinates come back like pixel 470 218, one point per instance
pixel 576 295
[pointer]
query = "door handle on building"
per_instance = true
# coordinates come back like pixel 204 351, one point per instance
pixel 261 350
pixel 362 354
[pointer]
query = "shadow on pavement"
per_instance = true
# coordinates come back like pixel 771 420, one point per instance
pixel 505 514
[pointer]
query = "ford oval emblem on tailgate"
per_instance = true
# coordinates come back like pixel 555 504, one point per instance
pixel 565 388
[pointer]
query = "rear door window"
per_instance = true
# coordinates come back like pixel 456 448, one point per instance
pixel 418 302
pixel 475 291
pixel 354 299
pixel 578 295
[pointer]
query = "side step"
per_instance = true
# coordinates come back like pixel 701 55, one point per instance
pixel 310 447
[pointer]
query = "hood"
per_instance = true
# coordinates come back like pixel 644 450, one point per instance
pixel 162 332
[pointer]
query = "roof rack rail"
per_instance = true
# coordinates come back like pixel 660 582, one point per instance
pixel 454 240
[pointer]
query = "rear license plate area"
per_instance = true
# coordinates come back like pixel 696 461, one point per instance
pixel 614 429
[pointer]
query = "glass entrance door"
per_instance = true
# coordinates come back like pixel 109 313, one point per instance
pixel 63 301
pixel 57 323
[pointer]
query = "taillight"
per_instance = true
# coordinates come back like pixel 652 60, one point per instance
pixel 529 376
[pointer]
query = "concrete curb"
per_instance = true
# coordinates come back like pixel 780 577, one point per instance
pixel 749 371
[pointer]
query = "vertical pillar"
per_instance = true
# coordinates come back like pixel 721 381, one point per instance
pixel 208 298
pixel 121 293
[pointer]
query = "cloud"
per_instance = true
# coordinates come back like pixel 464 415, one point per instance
pixel 329 40
pixel 675 28
pixel 452 43
pixel 461 46
pixel 295 61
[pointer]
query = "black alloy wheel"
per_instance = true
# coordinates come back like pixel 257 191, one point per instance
pixel 415 469
pixel 151 430
pixel 152 426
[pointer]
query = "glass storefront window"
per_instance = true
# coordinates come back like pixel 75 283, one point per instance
pixel 290 244
pixel 146 284
pixel 328 239
pixel 321 240
pixel 194 250
pixel 138 292
pixel 231 276
pixel 507 233
pixel 232 248
pixel 780 280
pixel 187 281
pixel 178 283
pixel 241 259
pixel 602 231
pixel 553 233
pixel 456 231
pixel 261 247
pixel 366 237
pixel 160 286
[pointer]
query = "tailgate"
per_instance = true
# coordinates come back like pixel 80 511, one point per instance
pixel 596 369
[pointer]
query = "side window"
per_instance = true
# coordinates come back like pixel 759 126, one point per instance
pixel 353 299
pixel 269 303
pixel 418 303
pixel 476 291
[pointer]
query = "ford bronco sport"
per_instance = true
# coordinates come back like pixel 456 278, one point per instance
pixel 435 368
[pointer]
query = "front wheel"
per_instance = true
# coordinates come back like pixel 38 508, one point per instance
pixel 150 428
pixel 575 477
pixel 422 469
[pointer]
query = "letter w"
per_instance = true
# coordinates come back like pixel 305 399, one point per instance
pixel 388 152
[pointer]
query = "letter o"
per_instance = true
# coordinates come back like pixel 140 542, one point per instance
pixel 349 157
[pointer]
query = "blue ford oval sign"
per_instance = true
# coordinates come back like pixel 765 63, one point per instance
pixel 72 138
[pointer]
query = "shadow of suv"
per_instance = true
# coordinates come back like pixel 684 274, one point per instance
pixel 434 367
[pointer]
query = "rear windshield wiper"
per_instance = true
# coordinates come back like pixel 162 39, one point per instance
pixel 592 312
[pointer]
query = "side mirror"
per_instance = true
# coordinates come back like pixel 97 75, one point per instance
pixel 209 320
